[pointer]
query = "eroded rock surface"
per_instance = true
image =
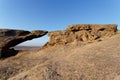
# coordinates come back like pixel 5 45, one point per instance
pixel 81 33
pixel 10 38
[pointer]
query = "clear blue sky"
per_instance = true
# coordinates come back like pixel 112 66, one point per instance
pixel 56 14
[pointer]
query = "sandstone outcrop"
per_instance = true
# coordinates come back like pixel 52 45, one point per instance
pixel 81 33
pixel 10 38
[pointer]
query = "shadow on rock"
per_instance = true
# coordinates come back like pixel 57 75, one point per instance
pixel 9 53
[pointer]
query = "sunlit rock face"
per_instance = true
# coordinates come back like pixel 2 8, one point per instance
pixel 81 33
pixel 10 38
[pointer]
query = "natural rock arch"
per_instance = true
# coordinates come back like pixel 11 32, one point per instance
pixel 10 38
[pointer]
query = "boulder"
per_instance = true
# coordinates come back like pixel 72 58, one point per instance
pixel 10 38
pixel 81 34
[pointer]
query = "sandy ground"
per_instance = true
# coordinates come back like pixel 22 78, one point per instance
pixel 94 61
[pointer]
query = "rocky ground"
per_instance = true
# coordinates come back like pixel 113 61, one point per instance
pixel 97 60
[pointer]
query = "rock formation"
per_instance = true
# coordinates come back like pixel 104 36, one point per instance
pixel 81 33
pixel 10 38
pixel 74 34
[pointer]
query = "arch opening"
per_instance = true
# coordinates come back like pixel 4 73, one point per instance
pixel 33 44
